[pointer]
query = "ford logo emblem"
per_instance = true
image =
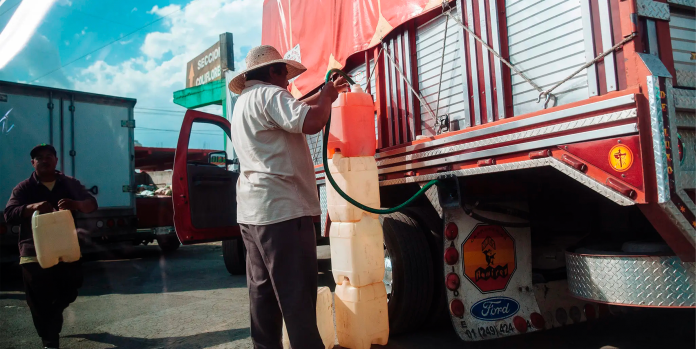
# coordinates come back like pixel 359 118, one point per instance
pixel 495 308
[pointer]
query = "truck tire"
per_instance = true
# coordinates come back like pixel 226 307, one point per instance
pixel 433 229
pixel 234 255
pixel 410 289
pixel 168 243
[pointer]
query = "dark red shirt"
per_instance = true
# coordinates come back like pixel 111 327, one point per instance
pixel 31 191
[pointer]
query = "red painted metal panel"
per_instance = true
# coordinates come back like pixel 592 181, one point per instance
pixel 156 211
pixel 597 153
pixel 505 52
pixel 480 76
pixel 597 30
pixel 664 42
pixel 416 124
pixel 491 63
pixel 616 33
pixel 187 232
pixel 380 100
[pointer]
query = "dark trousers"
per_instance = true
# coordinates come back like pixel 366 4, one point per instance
pixel 282 279
pixel 48 292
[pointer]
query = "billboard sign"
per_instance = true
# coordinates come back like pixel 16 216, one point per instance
pixel 210 65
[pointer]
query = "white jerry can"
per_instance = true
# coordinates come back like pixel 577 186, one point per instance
pixel 325 319
pixel 55 238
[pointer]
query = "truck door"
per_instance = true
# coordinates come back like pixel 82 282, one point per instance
pixel 204 191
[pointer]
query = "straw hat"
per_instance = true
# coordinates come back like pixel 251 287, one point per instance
pixel 261 56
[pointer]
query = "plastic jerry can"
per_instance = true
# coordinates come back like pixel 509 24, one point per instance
pixel 357 251
pixel 325 319
pixel 361 315
pixel 55 238
pixel 352 124
pixel 357 177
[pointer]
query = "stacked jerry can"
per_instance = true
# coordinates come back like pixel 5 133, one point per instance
pixel 357 250
pixel 325 323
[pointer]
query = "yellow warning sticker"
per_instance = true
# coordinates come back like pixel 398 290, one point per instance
pixel 620 158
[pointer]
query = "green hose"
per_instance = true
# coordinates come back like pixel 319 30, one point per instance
pixel 337 188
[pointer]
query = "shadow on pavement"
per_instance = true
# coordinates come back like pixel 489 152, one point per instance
pixel 143 269
pixel 201 340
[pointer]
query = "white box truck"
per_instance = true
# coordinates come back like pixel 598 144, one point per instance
pixel 93 136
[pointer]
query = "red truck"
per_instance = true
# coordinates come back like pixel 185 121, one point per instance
pixel 156 212
pixel 562 133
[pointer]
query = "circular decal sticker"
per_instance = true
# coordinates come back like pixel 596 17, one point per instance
pixel 620 158
pixel 489 257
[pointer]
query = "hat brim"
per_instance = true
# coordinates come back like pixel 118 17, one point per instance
pixel 294 69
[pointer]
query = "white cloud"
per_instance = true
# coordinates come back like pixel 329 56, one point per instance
pixel 134 9
pixel 67 43
pixel 152 79
pixel 65 2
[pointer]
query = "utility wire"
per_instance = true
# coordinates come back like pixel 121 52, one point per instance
pixel 11 7
pixel 103 19
pixel 168 110
pixel 102 47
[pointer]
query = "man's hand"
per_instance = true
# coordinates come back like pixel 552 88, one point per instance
pixel 69 205
pixel 42 207
pixel 330 91
pixel 341 84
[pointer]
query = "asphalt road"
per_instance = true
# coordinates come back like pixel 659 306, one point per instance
pixel 139 298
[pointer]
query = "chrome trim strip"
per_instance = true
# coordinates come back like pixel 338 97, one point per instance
pixel 473 64
pixel 552 162
pixel 656 127
pixel 652 9
pixel 495 34
pixel 588 36
pixel 587 108
pixel 689 3
pixel 465 80
pixel 549 142
pixel 596 120
pixel 684 99
pixel 681 178
pixel 652 37
pixel 607 43
pixel 485 55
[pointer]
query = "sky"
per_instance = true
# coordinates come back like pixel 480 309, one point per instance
pixel 146 45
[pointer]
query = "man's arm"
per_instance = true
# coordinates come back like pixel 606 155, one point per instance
pixel 318 114
pixel 84 206
pixel 19 206
pixel 341 86
pixel 83 201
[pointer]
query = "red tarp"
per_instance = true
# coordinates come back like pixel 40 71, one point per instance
pixel 330 31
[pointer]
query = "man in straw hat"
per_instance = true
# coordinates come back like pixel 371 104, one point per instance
pixel 277 196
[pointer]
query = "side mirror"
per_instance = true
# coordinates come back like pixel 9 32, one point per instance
pixel 218 158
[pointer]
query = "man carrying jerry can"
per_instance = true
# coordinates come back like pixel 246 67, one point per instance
pixel 48 291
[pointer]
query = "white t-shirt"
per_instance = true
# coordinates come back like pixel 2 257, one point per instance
pixel 277 181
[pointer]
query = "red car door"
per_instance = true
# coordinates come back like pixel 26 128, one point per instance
pixel 204 192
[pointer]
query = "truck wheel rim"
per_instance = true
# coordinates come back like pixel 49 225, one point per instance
pixel 387 273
